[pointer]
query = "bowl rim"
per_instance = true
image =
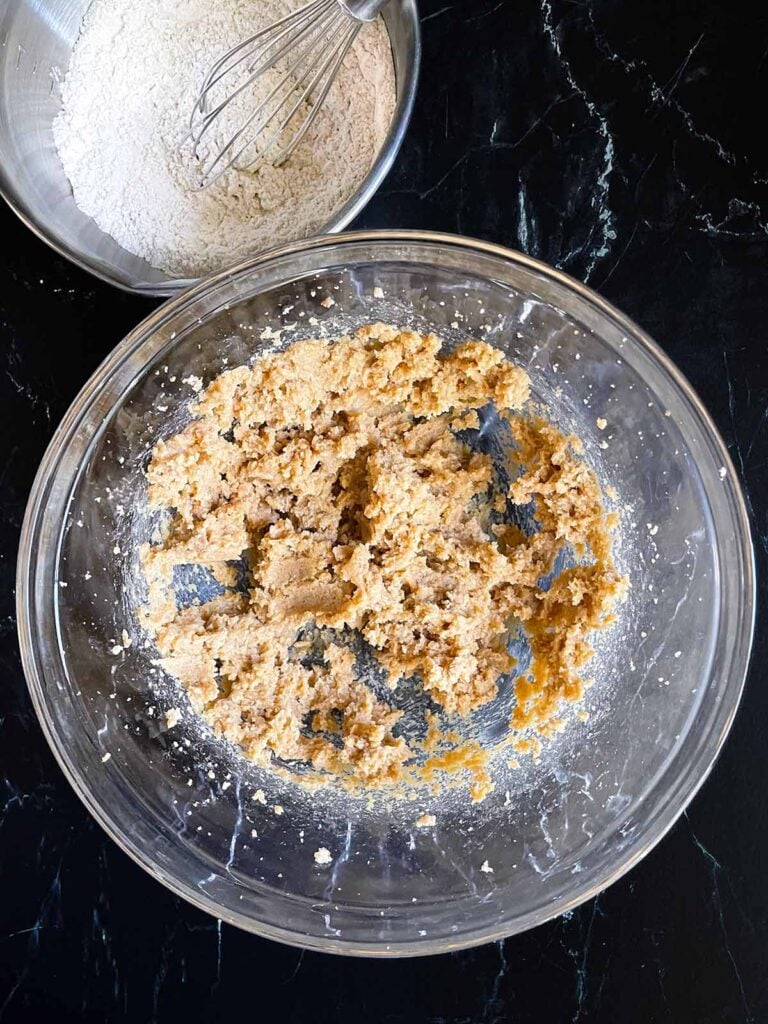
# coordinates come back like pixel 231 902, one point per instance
pixel 381 166
pixel 684 786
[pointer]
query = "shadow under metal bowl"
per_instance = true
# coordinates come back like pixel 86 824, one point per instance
pixel 37 42
pixel 667 677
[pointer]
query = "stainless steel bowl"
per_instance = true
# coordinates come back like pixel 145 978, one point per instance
pixel 38 37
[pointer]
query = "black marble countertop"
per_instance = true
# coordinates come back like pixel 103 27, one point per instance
pixel 620 142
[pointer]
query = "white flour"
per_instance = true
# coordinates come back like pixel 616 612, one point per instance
pixel 135 71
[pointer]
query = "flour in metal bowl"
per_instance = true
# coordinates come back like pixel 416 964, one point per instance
pixel 126 99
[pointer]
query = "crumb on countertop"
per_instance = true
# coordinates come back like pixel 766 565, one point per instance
pixel 172 717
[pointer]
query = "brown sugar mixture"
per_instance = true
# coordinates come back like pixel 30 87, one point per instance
pixel 329 477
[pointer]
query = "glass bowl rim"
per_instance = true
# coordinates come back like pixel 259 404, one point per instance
pixel 679 791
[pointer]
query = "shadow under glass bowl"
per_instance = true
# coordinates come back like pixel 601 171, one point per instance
pixel 668 676
pixel 37 43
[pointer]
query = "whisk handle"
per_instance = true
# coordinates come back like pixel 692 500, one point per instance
pixel 362 10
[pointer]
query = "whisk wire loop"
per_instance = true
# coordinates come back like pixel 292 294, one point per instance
pixel 305 51
pixel 334 64
pixel 273 33
pixel 256 121
pixel 225 65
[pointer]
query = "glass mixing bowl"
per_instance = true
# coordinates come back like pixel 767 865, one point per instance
pixel 557 829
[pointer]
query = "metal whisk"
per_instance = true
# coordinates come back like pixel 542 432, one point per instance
pixel 302 54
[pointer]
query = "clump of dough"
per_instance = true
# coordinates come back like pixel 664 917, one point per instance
pixel 330 474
